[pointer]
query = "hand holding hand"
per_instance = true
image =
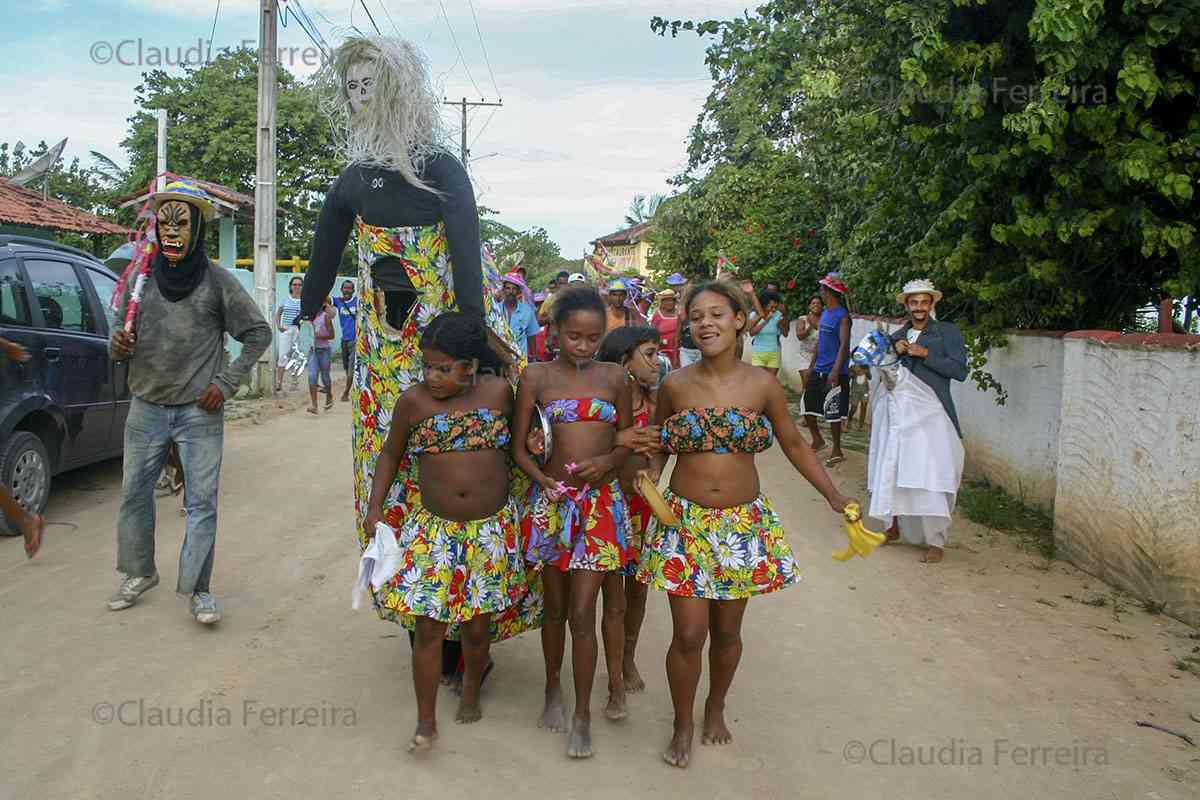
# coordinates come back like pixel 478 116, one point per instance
pixel 592 470
pixel 123 344
pixel 212 399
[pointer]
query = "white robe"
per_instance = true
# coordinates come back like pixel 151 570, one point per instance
pixel 916 460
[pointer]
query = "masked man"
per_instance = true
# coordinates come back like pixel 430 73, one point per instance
pixel 180 378
pixel 916 456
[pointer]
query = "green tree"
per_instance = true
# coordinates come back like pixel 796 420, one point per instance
pixel 1037 158
pixel 211 135
pixel 642 208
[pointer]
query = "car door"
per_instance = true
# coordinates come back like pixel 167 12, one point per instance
pixel 103 285
pixel 18 381
pixel 76 356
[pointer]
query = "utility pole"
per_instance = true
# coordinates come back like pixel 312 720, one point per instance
pixel 161 165
pixel 262 379
pixel 464 103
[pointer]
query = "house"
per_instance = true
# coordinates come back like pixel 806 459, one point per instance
pixel 628 250
pixel 26 213
pixel 230 205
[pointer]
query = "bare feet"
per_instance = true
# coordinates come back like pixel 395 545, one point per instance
pixel 932 555
pixel 631 677
pixel 579 743
pixel 468 711
pixel 32 529
pixel 715 730
pixel 892 534
pixel 679 751
pixel 554 715
pixel 818 443
pixel 424 737
pixel 616 709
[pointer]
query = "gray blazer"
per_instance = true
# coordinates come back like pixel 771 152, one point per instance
pixel 947 360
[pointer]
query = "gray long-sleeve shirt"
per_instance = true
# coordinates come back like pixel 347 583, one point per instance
pixel 180 346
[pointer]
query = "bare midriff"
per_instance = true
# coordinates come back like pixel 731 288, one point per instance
pixel 451 487
pixel 715 480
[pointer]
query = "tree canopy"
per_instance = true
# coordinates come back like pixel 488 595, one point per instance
pixel 1036 158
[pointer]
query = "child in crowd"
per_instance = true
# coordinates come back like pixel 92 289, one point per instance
pixel 636 349
pixel 577 519
pixel 461 560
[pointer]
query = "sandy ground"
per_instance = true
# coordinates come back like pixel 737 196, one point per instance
pixel 975 678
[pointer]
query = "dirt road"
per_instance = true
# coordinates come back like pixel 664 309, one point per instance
pixel 975 678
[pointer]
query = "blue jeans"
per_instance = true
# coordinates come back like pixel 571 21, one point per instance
pixel 149 431
pixel 320 359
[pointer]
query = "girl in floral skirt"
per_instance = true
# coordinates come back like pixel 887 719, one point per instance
pixel 461 556
pixel 634 347
pixel 577 519
pixel 716 415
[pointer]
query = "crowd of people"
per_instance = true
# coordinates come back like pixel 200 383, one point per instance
pixel 507 446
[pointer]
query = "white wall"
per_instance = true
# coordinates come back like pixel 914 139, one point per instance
pixel 1016 445
pixel 1127 507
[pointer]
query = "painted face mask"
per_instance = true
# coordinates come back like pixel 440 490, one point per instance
pixel 360 83
pixel 175 230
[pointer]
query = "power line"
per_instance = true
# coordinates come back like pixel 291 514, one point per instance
pixel 483 47
pixel 486 122
pixel 216 14
pixel 389 16
pixel 454 39
pixel 306 24
pixel 373 25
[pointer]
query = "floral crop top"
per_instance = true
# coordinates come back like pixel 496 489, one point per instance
pixel 717 430
pixel 460 432
pixel 583 409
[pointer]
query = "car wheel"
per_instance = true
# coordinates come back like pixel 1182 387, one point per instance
pixel 25 471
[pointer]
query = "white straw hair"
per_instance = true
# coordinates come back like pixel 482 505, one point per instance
pixel 401 127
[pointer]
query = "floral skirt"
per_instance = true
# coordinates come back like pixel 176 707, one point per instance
pixel 639 520
pixel 590 531
pixel 717 553
pixel 454 571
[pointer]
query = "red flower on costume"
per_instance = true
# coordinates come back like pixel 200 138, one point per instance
pixel 456 583
pixel 762 574
pixel 676 571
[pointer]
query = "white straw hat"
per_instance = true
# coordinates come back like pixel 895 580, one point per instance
pixel 919 286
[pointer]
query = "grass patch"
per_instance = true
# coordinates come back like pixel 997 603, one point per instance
pixel 995 508
pixel 1188 664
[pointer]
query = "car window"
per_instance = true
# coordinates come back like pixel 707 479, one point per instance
pixel 64 304
pixel 14 303
pixel 104 291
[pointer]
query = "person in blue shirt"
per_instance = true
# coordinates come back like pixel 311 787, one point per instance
pixel 522 317
pixel 347 309
pixel 830 369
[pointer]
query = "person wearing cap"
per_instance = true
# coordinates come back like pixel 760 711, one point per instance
pixel 666 322
pixel 180 378
pixel 916 455
pixel 518 307
pixel 830 368
pixel 619 312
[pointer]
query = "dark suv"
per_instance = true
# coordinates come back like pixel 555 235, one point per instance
pixel 66 406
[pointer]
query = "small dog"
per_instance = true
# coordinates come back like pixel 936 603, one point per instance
pixel 171 482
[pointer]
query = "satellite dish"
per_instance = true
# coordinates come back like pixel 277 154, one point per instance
pixel 40 167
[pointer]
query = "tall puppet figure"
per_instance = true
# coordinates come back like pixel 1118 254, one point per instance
pixel 411 207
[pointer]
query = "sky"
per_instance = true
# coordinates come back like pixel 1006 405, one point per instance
pixel 597 108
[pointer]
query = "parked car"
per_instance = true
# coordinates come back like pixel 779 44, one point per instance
pixel 65 407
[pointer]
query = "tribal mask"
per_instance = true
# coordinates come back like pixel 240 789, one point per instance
pixel 176 236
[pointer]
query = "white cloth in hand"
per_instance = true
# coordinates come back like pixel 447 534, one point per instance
pixel 379 563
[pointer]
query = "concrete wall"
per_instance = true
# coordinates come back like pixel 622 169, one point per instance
pixel 1127 506
pixel 1016 445
pixel 282 279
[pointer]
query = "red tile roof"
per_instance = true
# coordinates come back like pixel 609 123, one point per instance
pixel 242 201
pixel 21 206
pixel 627 236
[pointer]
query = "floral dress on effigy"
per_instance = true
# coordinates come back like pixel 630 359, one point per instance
pixel 388 361
pixel 454 571
pixel 717 553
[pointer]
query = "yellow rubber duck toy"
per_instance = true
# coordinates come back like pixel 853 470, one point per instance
pixel 862 541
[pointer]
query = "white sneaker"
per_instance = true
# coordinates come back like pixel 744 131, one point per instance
pixel 129 591
pixel 204 609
